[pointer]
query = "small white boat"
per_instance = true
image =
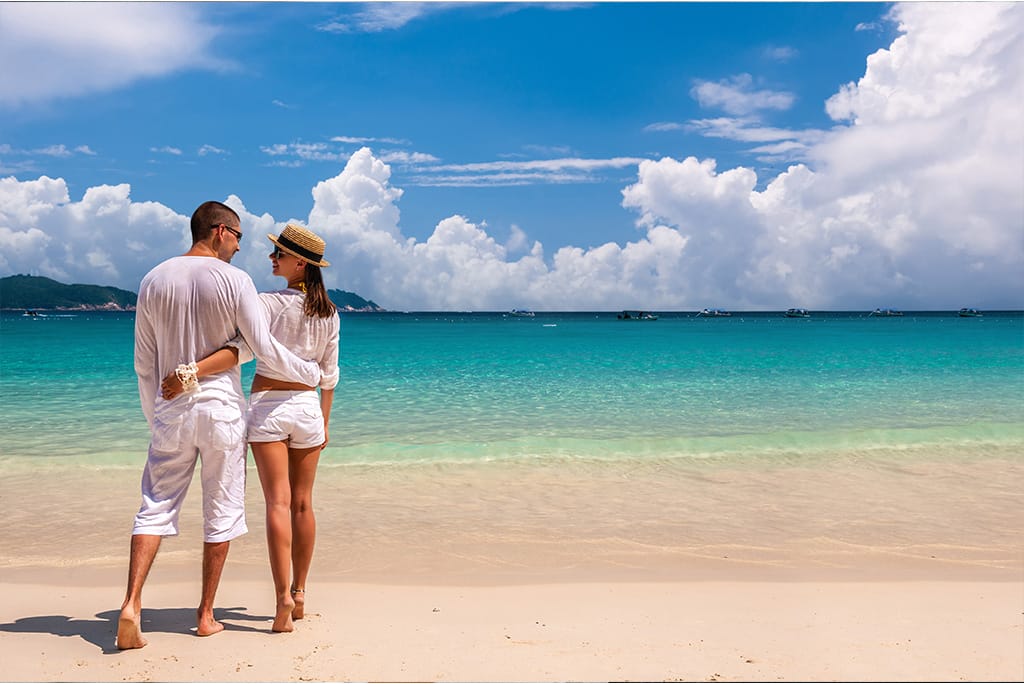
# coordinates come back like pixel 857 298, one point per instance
pixel 885 313
pixel 969 313
pixel 797 313
pixel 521 313
pixel 714 313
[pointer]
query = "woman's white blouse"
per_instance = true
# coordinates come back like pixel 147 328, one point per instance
pixel 315 339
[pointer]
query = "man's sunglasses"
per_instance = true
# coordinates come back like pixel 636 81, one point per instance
pixel 236 233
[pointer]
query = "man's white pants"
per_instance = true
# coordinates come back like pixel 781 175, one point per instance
pixel 184 430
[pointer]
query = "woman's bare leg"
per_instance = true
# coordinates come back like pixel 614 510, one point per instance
pixel 272 464
pixel 302 472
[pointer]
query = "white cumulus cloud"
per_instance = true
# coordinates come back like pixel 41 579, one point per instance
pixel 920 199
pixel 298 152
pixel 510 172
pixel 210 149
pixel 736 96
pixel 55 50
pixel 386 16
pixel 105 238
pixel 914 199
pixel 780 53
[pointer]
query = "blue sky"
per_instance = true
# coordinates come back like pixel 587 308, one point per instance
pixel 555 156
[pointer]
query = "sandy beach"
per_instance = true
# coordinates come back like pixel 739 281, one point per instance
pixel 672 631
pixel 525 573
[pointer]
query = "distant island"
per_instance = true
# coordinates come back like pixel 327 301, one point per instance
pixel 350 301
pixel 35 292
pixel 25 292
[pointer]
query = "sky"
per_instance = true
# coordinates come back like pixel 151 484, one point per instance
pixel 551 156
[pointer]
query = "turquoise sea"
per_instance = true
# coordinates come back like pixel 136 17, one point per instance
pixel 475 446
pixel 474 387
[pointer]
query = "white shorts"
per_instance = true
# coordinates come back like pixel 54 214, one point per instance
pixel 292 416
pixel 184 430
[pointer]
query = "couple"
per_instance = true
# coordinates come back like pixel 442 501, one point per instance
pixel 196 315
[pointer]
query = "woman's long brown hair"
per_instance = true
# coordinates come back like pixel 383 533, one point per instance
pixel 318 304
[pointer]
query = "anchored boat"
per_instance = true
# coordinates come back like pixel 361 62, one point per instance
pixel 631 315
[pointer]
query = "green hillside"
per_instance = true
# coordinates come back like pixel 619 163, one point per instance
pixel 35 292
pixel 350 301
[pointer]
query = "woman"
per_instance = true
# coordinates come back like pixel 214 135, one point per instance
pixel 287 423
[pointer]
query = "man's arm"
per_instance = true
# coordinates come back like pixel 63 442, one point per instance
pixel 329 361
pixel 145 362
pixel 331 372
pixel 255 330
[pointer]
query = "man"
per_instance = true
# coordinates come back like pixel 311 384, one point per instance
pixel 188 307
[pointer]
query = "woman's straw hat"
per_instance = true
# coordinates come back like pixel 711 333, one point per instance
pixel 302 243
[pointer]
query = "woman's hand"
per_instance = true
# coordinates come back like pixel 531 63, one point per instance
pixel 170 387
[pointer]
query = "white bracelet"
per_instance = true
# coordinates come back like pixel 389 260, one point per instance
pixel 188 376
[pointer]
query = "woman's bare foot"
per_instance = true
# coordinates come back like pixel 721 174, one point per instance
pixel 283 618
pixel 206 625
pixel 129 630
pixel 299 598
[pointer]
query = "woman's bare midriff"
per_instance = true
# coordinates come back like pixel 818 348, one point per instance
pixel 261 383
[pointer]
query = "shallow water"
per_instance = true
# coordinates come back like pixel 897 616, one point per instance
pixel 481 387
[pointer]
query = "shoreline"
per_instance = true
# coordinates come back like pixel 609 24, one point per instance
pixel 520 523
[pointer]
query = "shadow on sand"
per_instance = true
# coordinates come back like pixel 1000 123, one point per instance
pixel 102 631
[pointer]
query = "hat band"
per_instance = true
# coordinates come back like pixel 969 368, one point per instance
pixel 299 249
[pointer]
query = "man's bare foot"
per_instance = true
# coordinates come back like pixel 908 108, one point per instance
pixel 129 630
pixel 283 618
pixel 299 598
pixel 206 625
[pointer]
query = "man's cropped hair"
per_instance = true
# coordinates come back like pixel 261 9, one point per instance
pixel 208 216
